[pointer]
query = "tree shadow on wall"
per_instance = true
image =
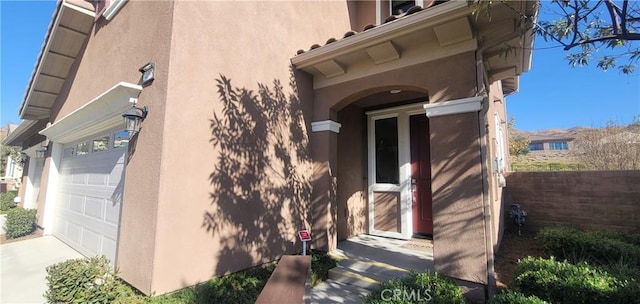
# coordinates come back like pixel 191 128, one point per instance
pixel 261 181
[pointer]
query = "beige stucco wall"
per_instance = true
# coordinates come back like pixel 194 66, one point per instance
pixel 497 106
pixel 113 53
pixel 352 217
pixel 229 204
pixel 459 235
pixel 364 13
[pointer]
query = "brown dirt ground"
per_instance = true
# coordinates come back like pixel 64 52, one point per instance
pixel 512 248
pixel 35 234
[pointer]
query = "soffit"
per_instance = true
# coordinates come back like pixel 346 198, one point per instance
pixel 102 113
pixel 23 132
pixel 70 26
pixel 428 34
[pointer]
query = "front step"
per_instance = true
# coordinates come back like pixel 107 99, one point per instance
pixel 365 274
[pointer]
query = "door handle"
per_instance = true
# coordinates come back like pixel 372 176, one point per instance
pixel 414 183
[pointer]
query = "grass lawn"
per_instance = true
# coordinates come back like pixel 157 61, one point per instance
pixel 240 287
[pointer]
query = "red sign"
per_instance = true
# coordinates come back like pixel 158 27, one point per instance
pixel 304 235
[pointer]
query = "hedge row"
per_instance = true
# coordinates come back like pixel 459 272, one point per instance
pixel 6 200
pixel 20 222
pixel 599 248
pixel 564 282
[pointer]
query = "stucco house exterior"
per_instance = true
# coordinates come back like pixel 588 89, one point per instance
pixel 540 143
pixel 257 128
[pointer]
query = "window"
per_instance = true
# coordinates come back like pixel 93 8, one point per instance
pixel 100 144
pixel 82 148
pixel 559 145
pixel 536 147
pixel 386 150
pixel 401 7
pixel 120 139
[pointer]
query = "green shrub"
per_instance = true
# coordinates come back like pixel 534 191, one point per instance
pixel 595 247
pixel 86 280
pixel 514 297
pixel 321 263
pixel 6 201
pixel 239 287
pixel 20 222
pixel 563 282
pixel 421 287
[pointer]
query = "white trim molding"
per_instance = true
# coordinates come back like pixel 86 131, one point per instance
pixel 102 113
pixel 113 8
pixel 325 125
pixel 457 106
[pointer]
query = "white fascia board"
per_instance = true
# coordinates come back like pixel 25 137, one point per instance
pixel 325 125
pixel 465 105
pixel 22 127
pixel 102 113
pixel 384 32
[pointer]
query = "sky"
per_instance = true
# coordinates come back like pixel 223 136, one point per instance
pixel 551 95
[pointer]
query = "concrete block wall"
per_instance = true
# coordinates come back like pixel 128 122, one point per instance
pixel 590 200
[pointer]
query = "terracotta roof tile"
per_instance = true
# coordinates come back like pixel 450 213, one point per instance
pixel 349 33
pixel 367 27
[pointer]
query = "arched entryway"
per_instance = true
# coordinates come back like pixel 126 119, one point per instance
pixel 383 165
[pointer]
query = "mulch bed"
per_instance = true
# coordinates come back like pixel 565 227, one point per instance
pixel 35 234
pixel 513 248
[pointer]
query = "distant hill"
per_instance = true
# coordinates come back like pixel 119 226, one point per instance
pixel 561 156
pixel 574 132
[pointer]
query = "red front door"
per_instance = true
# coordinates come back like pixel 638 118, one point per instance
pixel 421 175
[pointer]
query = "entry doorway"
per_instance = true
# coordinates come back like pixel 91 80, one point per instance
pixel 421 207
pixel 399 191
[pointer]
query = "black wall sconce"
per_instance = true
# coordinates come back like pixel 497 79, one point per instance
pixel 148 73
pixel 133 119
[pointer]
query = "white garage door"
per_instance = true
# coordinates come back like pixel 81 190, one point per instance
pixel 89 196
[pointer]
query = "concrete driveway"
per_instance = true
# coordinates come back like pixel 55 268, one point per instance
pixel 23 267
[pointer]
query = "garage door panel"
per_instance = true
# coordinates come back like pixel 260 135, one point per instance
pixel 88 210
pixel 115 174
pixel 106 228
pixel 73 231
pixel 74 203
pixel 78 176
pixel 109 245
pixel 96 179
pixel 112 213
pixel 93 207
pixel 91 240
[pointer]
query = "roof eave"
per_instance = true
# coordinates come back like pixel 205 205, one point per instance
pixel 73 7
pixel 384 32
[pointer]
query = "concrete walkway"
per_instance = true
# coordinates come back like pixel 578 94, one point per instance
pixel 23 267
pixel 3 219
pixel 364 262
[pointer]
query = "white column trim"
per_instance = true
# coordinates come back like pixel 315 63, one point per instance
pixel 52 187
pixel 28 190
pixel 325 125
pixel 457 106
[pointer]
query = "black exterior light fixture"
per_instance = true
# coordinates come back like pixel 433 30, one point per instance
pixel 148 73
pixel 133 119
pixel 40 152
